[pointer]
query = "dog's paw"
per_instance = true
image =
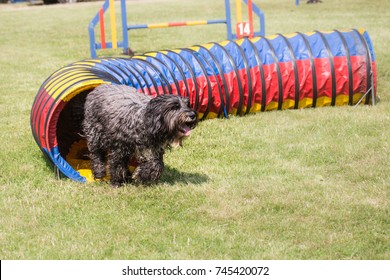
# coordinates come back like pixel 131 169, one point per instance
pixel 116 185
pixel 119 182
pixel 99 172
pixel 148 172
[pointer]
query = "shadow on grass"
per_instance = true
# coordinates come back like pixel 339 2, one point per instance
pixel 174 176
pixel 50 166
pixel 170 176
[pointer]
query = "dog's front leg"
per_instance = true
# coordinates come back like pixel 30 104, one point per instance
pixel 119 168
pixel 98 159
pixel 149 171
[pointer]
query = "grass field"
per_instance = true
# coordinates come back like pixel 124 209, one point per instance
pixel 298 184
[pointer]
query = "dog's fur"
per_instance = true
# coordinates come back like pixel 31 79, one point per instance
pixel 120 124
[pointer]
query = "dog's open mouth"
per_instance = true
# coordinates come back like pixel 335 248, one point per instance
pixel 184 132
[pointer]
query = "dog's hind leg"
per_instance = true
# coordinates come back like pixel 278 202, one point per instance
pixel 98 159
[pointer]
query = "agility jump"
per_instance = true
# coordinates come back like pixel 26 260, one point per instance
pixel 108 5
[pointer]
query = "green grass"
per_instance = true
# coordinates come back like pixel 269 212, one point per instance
pixel 298 184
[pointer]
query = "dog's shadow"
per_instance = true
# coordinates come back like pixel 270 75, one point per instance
pixel 172 176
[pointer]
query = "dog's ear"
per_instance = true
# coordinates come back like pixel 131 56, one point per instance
pixel 154 120
pixel 186 101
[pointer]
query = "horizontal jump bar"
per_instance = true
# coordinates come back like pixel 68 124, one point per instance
pixel 108 45
pixel 175 24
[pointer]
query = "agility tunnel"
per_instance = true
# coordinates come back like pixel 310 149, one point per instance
pixel 228 78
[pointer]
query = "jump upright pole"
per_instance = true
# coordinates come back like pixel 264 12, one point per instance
pixel 99 18
pixel 244 29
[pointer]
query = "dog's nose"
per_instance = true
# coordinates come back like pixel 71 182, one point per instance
pixel 192 115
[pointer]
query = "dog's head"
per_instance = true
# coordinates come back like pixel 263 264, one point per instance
pixel 170 118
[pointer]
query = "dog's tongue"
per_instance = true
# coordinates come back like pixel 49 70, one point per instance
pixel 187 131
pixel 179 141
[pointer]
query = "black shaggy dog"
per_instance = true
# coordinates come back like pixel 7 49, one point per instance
pixel 120 124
